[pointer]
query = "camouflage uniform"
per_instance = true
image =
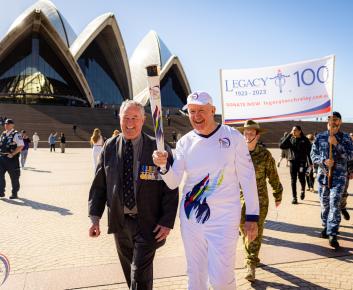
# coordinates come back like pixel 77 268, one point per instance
pixel 265 167
pixel 330 198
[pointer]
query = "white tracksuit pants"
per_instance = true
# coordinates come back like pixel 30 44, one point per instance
pixel 210 250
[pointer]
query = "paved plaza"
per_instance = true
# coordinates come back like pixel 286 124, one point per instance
pixel 44 234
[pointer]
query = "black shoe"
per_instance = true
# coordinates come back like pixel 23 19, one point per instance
pixel 323 234
pixel 2 194
pixel 344 212
pixel 13 197
pixel 302 195
pixel 295 201
pixel 333 242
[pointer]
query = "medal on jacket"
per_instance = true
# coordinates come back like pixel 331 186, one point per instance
pixel 148 172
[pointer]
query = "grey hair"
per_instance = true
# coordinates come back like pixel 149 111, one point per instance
pixel 128 103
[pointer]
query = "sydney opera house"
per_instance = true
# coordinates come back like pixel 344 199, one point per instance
pixel 43 61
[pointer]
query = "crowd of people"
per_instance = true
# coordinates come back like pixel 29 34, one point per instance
pixel 300 151
pixel 225 173
pixel 14 147
pixel 222 193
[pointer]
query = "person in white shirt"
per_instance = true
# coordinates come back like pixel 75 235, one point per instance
pixel 97 142
pixel 217 162
pixel 35 139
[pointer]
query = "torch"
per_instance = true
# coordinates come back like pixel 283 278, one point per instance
pixel 156 105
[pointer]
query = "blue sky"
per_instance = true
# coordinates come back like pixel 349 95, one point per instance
pixel 208 35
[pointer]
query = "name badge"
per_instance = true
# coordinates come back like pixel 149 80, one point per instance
pixel 148 172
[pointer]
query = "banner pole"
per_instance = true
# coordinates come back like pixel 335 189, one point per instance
pixel 330 173
pixel 221 85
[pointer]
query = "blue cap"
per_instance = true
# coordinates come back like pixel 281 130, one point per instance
pixel 337 115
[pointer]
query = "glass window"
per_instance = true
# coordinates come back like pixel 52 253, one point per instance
pixel 34 74
pixel 173 93
pixel 99 75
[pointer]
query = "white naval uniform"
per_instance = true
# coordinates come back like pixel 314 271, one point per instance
pixel 210 209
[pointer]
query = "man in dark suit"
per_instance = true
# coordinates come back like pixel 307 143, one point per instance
pixel 141 208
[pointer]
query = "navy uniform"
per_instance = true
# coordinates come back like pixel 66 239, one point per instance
pixel 330 198
pixel 11 144
pixel 345 193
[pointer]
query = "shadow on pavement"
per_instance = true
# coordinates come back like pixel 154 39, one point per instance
pixel 309 204
pixel 308 247
pixel 38 205
pixel 35 170
pixel 292 228
pixel 344 226
pixel 295 280
pixel 317 201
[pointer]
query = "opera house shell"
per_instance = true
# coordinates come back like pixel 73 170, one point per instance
pixel 42 61
pixel 173 82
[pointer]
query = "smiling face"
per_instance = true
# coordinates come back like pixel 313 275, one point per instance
pixel 131 122
pixel 202 118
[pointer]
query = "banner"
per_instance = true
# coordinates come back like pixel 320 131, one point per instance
pixel 278 93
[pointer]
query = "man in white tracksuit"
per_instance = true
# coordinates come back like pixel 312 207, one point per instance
pixel 216 160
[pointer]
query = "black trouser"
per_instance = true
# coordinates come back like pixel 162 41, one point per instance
pixel 310 180
pixel 297 169
pixel 136 255
pixel 52 147
pixel 12 166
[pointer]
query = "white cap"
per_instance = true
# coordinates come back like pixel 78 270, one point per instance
pixel 198 98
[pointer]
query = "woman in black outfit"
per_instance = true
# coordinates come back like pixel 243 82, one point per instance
pixel 299 157
pixel 310 180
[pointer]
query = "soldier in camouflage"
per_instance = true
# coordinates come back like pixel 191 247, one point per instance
pixel 265 168
pixel 330 198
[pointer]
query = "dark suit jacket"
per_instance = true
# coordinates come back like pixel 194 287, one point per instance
pixel 156 203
